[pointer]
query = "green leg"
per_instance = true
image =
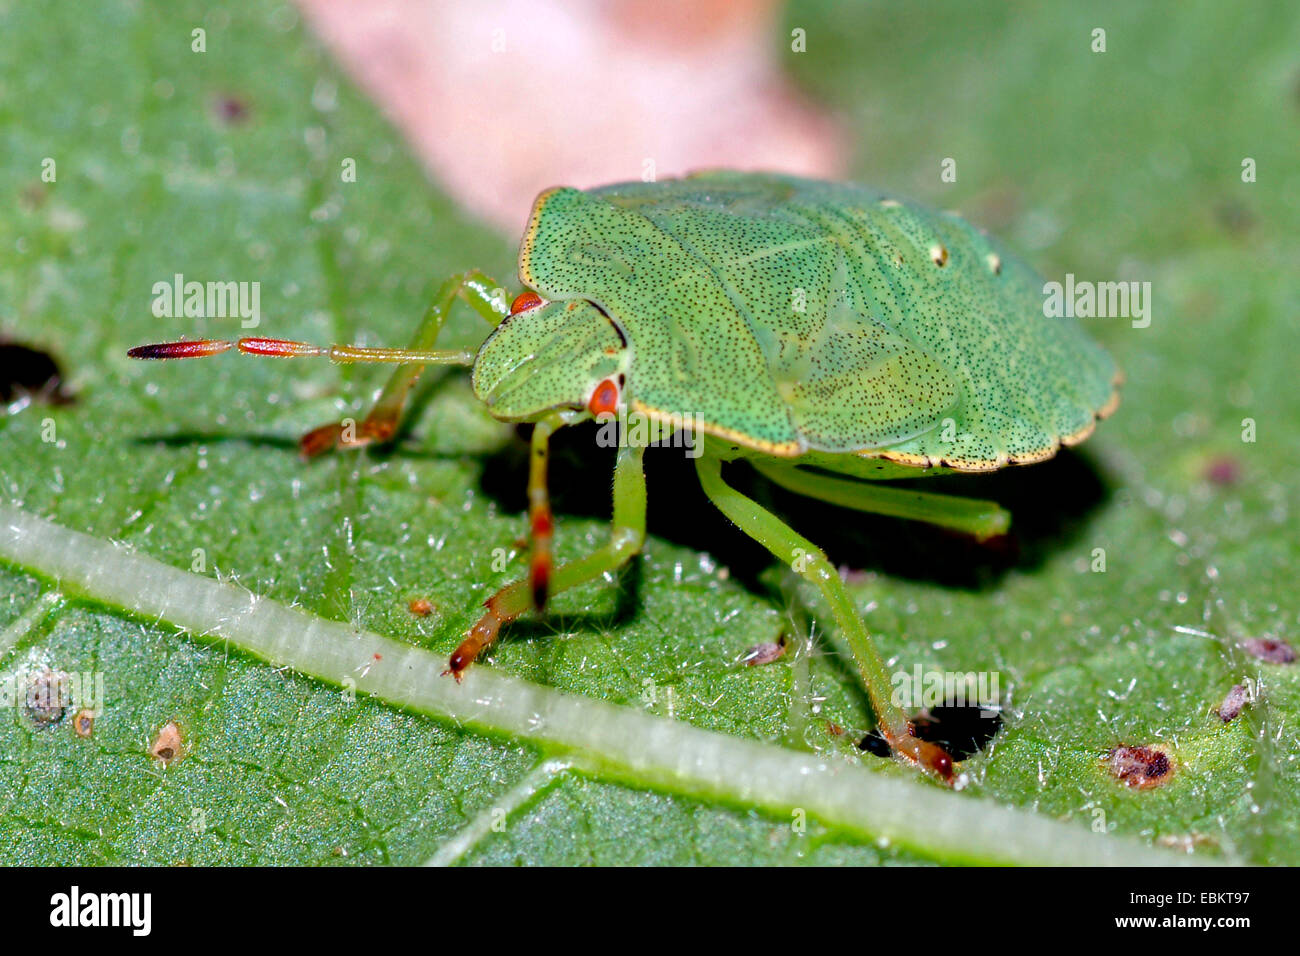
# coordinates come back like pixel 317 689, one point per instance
pixel 975 516
pixel 380 424
pixel 808 560
pixel 625 540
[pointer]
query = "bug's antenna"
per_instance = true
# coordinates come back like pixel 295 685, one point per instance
pixel 169 350
pixel 286 348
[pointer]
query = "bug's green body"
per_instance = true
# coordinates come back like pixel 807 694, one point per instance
pixel 791 322
pixel 800 318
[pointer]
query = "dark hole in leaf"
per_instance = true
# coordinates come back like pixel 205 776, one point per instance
pixel 960 729
pixel 875 744
pixel 28 372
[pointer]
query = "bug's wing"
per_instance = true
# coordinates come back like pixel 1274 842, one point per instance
pixel 857 383
pixel 923 337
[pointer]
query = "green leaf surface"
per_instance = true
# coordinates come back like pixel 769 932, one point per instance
pixel 625 728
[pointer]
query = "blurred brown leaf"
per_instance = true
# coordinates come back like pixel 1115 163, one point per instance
pixel 503 99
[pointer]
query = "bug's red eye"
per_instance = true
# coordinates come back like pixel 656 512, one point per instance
pixel 604 400
pixel 524 301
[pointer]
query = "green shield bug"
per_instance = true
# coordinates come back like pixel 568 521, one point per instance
pixel 829 335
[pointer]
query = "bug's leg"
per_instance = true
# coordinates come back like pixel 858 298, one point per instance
pixel 974 516
pixel 807 559
pixel 626 537
pixel 381 422
pixel 541 526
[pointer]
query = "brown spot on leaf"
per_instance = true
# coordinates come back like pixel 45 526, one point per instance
pixel 230 109
pixel 1140 767
pixel 48 695
pixel 33 196
pixel 168 747
pixel 1232 705
pixel 83 723
pixel 1273 650
pixel 26 372
pixel 765 653
pixel 1223 470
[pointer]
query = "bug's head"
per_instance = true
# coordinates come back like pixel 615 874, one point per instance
pixel 551 355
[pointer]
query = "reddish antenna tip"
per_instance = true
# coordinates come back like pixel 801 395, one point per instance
pixel 174 350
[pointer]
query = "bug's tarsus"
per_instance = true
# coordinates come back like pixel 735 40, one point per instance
pixel 936 760
pixel 928 756
pixel 502 607
pixel 376 429
pixel 318 441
